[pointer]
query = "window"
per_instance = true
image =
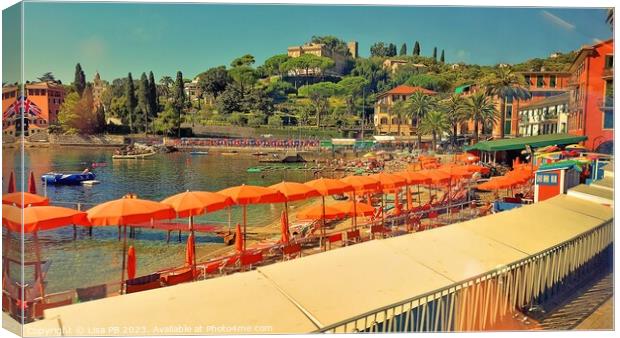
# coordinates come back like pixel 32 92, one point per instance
pixel 384 120
pixel 528 80
pixel 509 112
pixel 507 127
pixel 609 93
pixel 608 119
pixel 552 80
pixel 540 81
pixel 609 61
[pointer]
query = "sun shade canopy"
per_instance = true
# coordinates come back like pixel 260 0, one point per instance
pixel 532 141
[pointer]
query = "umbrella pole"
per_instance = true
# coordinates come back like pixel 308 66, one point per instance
pixel 382 209
pixel 245 227
pixel 324 223
pixel 124 258
pixel 38 270
pixel 354 211
pixel 419 196
pixel 191 231
pixel 287 224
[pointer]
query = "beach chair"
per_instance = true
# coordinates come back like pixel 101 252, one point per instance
pixel 379 230
pixel 51 301
pixel 414 223
pixel 148 282
pixel 250 260
pixel 178 277
pixel 211 269
pixel 353 237
pixel 91 293
pixel 334 238
pixel 291 251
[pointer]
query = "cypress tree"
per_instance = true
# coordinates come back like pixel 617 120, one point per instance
pixel 79 81
pixel 442 58
pixel 153 100
pixel 179 99
pixel 131 100
pixel 391 50
pixel 416 49
pixel 403 49
pixel 144 100
pixel 435 53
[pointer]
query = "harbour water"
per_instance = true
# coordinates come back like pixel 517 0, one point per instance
pixel 90 261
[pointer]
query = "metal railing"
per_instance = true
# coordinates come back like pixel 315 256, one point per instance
pixel 479 302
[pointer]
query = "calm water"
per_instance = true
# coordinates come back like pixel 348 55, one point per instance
pixel 90 261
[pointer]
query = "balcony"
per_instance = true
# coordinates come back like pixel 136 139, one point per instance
pixel 605 103
pixel 608 73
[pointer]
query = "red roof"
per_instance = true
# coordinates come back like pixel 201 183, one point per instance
pixel 408 90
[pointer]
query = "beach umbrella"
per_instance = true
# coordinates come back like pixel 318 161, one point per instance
pixel 249 194
pixel 361 184
pixel 417 178
pixel 15 198
pixel 320 212
pixel 496 183
pixel 397 207
pixel 131 263
pixel 190 251
pixel 32 185
pixel 389 183
pixel 293 191
pixel 326 187
pixel 35 219
pixel 11 187
pixel 284 227
pixel 125 211
pixel 239 242
pixel 354 209
pixel 192 203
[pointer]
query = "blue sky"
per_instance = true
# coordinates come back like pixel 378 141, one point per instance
pixel 116 38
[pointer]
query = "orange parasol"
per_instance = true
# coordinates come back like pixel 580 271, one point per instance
pixel 15 198
pixel 317 212
pixel 39 218
pixel 397 208
pixel 328 186
pixel 124 211
pixel 456 172
pixel 436 176
pixel 294 191
pixel 349 209
pixel 192 203
pixel 32 184
pixel 251 194
pixel 284 226
pixel 390 182
pixel 190 251
pixel 414 177
pixel 497 183
pixel 131 263
pixel 362 184
pixel 239 245
pixel 11 187
pixel 476 168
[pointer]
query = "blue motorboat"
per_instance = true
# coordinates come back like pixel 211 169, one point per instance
pixel 67 179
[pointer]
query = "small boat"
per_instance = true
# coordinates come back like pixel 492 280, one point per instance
pixel 90 182
pixel 254 170
pixel 232 152
pixel 197 152
pixel 260 153
pixel 132 156
pixel 66 179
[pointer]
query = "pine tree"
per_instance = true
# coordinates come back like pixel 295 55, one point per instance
pixel 144 99
pixel 403 49
pixel 179 100
pixel 442 58
pixel 131 101
pixel 416 49
pixel 79 81
pixel 435 53
pixel 153 99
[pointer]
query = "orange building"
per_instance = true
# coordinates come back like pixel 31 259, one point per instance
pixel 384 120
pixel 42 103
pixel 591 103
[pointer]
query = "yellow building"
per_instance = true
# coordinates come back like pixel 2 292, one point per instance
pixel 321 50
pixel 388 124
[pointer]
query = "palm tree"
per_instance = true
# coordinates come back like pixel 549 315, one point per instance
pixel 419 105
pixel 436 123
pixel 609 18
pixel 481 109
pixel 506 84
pixel 454 108
pixel 398 110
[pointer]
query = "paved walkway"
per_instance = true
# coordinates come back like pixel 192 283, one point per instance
pixel 589 310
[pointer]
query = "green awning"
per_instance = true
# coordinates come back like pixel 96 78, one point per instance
pixel 532 141
pixel 460 89
pixel 561 165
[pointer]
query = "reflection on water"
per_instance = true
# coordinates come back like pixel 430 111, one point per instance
pixel 89 261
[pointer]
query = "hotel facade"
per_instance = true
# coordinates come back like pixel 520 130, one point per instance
pixel 40 107
pixel 384 120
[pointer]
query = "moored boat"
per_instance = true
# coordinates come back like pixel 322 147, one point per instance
pixel 131 156
pixel 197 152
pixel 67 179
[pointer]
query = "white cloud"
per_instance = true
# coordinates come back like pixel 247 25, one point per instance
pixel 556 20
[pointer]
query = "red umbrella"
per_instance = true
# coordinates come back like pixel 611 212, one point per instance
pixel 32 185
pixel 131 263
pixel 11 187
pixel 239 239
pixel 24 199
pixel 190 251
pixel 284 224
